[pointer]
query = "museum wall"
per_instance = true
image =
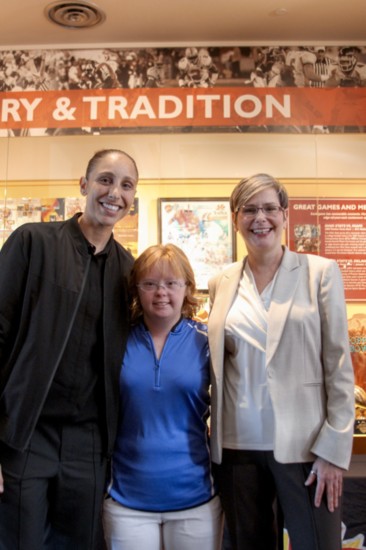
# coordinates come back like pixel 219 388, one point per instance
pixel 190 165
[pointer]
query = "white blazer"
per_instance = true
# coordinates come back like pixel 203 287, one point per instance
pixel 309 369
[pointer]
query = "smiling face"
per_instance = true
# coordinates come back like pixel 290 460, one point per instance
pixel 262 232
pixel 162 306
pixel 110 189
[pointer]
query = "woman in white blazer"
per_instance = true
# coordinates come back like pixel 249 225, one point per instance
pixel 282 381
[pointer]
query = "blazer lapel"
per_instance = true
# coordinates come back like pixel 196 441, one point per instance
pixel 225 292
pixel 283 293
pixel 228 287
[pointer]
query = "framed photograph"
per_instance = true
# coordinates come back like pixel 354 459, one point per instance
pixel 203 229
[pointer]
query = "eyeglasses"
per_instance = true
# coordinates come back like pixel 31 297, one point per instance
pixel 153 286
pixel 251 211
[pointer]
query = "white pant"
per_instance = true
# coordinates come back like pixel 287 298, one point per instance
pixel 198 528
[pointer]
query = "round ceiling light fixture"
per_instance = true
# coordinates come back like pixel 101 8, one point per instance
pixel 74 15
pixel 279 12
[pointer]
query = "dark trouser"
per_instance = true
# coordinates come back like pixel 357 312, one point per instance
pixel 250 481
pixel 53 491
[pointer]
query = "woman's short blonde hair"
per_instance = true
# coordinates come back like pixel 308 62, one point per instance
pixel 248 187
pixel 168 255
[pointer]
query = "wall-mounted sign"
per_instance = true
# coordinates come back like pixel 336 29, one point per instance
pixel 291 89
pixel 334 228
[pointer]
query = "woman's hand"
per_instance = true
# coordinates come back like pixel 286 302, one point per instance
pixel 329 478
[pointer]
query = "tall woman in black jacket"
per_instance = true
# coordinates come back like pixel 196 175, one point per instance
pixel 62 340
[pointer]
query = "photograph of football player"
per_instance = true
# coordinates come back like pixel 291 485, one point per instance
pixel 348 72
pixel 196 69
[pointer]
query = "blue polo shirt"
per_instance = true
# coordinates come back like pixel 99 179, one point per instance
pixel 161 460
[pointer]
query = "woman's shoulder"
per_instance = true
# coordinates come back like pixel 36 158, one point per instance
pixel 316 261
pixel 194 328
pixel 312 260
pixel 226 272
pixel 197 325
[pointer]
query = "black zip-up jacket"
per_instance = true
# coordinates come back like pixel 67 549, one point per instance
pixel 42 270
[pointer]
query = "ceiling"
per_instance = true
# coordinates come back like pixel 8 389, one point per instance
pixel 190 22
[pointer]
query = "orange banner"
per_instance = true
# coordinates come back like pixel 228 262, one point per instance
pixel 175 107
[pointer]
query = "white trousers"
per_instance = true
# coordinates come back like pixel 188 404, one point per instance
pixel 198 528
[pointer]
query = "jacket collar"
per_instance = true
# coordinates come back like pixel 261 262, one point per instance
pixel 84 246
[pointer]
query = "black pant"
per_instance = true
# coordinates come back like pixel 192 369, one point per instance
pixel 250 482
pixel 53 491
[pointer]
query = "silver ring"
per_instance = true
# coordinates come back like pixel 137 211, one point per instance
pixel 313 472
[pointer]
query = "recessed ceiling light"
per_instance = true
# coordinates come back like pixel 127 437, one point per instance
pixel 278 12
pixel 74 15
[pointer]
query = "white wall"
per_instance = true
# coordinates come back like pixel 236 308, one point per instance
pixel 182 156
